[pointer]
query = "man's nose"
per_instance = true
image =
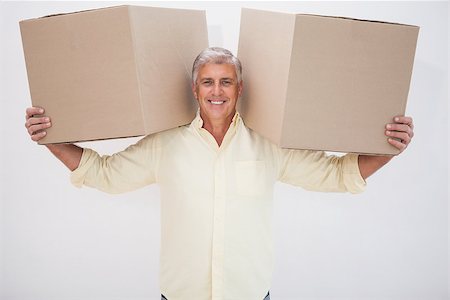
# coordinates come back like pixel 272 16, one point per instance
pixel 217 89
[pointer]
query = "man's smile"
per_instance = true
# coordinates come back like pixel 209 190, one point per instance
pixel 217 102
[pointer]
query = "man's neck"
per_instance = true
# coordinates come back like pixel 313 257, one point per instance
pixel 217 128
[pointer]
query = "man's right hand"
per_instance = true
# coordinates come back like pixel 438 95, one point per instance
pixel 36 125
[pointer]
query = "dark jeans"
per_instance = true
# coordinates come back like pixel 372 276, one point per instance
pixel 265 298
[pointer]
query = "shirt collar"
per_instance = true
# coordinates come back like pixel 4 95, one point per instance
pixel 198 121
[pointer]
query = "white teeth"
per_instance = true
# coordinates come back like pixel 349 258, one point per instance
pixel 217 102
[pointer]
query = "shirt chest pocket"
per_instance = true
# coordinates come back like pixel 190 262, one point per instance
pixel 250 178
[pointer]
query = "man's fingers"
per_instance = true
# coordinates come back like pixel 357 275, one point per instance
pixel 400 128
pixel 31 111
pixel 36 137
pixel 403 136
pixel 404 120
pixel 35 124
pixel 400 132
pixel 35 128
pixel 397 144
pixel 32 121
pixel 402 125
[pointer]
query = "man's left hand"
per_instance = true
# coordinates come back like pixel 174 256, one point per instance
pixel 400 132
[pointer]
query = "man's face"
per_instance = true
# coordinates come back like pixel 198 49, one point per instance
pixel 217 91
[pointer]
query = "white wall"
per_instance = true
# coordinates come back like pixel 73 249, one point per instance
pixel 391 242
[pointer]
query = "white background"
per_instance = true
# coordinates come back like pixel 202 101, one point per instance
pixel 391 242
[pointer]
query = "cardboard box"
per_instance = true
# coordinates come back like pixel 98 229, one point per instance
pixel 113 72
pixel 324 83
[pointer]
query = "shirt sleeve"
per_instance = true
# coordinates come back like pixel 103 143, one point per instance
pixel 317 171
pixel 124 171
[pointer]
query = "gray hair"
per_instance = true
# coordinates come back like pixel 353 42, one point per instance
pixel 216 55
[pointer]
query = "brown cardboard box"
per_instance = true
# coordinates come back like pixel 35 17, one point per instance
pixel 324 83
pixel 113 72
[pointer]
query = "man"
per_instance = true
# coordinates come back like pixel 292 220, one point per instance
pixel 216 178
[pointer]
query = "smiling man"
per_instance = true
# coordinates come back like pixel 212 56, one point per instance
pixel 216 178
pixel 217 89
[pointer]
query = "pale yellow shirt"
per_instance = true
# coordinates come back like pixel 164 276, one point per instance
pixel 216 202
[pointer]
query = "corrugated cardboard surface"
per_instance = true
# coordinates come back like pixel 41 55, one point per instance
pixel 165 78
pixel 347 79
pixel 113 72
pixel 265 79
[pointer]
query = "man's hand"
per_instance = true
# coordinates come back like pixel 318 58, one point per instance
pixel 68 154
pixel 400 133
pixel 36 126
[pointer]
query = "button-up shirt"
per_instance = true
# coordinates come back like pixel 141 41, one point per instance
pixel 216 202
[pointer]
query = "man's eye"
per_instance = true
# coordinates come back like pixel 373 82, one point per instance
pixel 226 82
pixel 207 82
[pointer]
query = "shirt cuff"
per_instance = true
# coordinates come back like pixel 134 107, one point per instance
pixel 352 176
pixel 87 159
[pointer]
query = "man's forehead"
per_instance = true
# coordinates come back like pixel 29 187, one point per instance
pixel 217 70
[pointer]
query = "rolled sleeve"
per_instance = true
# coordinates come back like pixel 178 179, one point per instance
pixel 87 160
pixel 352 176
pixel 316 171
pixel 127 170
